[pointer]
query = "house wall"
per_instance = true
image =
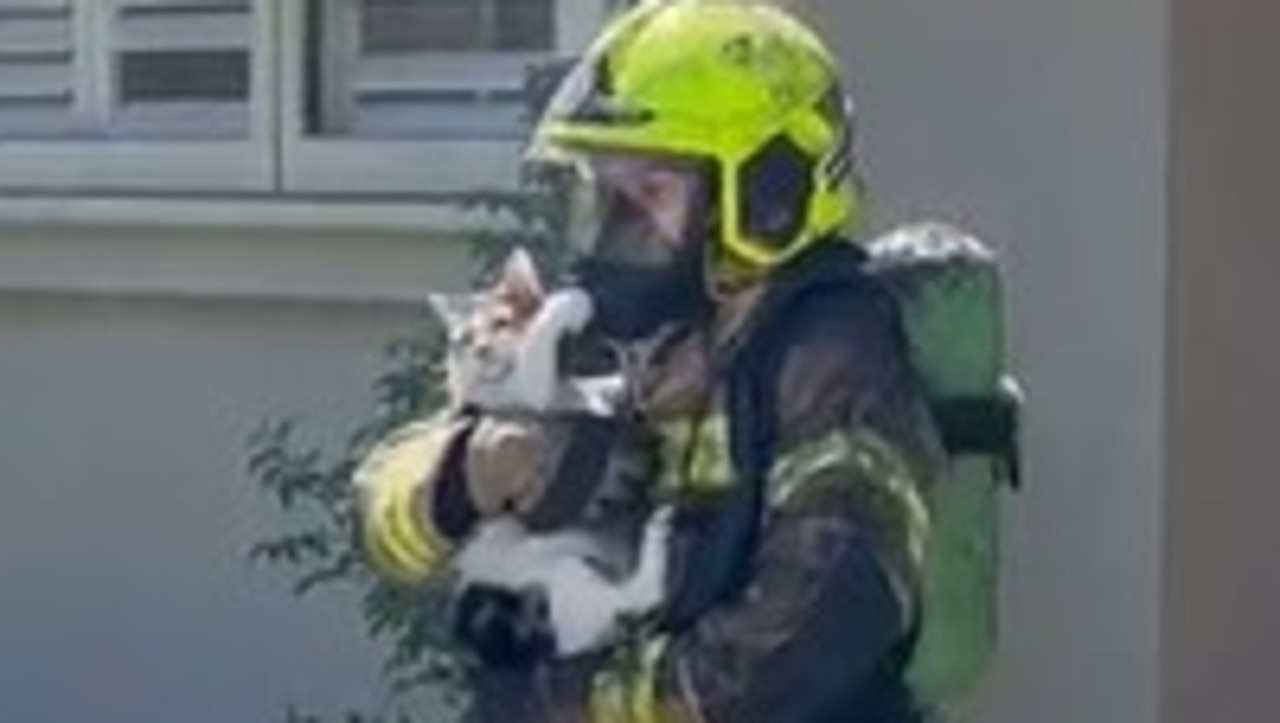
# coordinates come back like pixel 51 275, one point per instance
pixel 1222 583
pixel 1118 153
pixel 1040 125
pixel 133 367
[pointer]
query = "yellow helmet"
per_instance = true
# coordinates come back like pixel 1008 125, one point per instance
pixel 739 84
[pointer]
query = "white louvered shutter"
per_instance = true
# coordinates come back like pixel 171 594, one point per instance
pixel 181 68
pixel 434 68
pixel 37 68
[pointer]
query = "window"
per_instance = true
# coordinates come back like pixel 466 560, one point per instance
pixel 295 96
pixel 170 95
pixel 37 69
pixel 408 96
pixel 141 68
pixel 388 26
pixel 180 68
pixel 426 68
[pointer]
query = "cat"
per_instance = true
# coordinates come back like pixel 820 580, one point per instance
pixel 528 597
pixel 524 596
pixel 503 346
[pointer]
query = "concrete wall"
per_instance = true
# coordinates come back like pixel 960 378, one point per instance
pixel 140 344
pixel 1222 591
pixel 125 511
pixel 1040 125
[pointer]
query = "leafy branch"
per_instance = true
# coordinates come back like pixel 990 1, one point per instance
pixel 312 489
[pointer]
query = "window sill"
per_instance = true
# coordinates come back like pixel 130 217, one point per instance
pixel 248 214
pixel 297 250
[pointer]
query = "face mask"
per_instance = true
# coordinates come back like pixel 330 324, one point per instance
pixel 632 302
pixel 639 273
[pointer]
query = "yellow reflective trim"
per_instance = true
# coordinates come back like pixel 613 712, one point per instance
pixel 626 691
pixel 405 535
pixel 373 552
pixel 885 465
pixel 397 533
pixel 674 437
pixel 384 562
pixel 644 691
pixel 710 466
pixel 607 699
pixel 878 460
pixel 695 455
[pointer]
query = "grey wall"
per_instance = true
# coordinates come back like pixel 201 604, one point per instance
pixel 125 512
pixel 1222 594
pixel 1040 125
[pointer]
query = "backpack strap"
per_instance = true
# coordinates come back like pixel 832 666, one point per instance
pixel 985 425
pixel 727 532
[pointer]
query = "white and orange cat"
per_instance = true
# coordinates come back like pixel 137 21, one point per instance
pixel 504 344
pixel 521 596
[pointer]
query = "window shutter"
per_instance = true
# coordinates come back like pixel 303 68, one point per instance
pixel 37 64
pixel 442 69
pixel 181 67
pixel 471 96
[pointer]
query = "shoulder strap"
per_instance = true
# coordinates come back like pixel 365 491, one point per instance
pixel 986 424
pixel 727 534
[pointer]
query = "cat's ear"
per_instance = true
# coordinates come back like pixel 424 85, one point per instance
pixel 453 310
pixel 520 283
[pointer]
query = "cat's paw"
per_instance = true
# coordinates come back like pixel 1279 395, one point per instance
pixel 568 310
pixel 657 537
pixel 648 585
pixel 662 519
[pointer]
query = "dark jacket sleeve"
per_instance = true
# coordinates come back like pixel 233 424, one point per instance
pixel 821 633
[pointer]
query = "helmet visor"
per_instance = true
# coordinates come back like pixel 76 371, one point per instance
pixel 635 209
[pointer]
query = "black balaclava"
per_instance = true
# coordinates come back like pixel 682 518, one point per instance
pixel 636 291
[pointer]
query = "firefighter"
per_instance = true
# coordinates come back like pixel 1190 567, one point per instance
pixel 716 208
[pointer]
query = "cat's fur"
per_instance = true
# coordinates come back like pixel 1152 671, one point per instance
pixel 504 345
pixel 523 596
